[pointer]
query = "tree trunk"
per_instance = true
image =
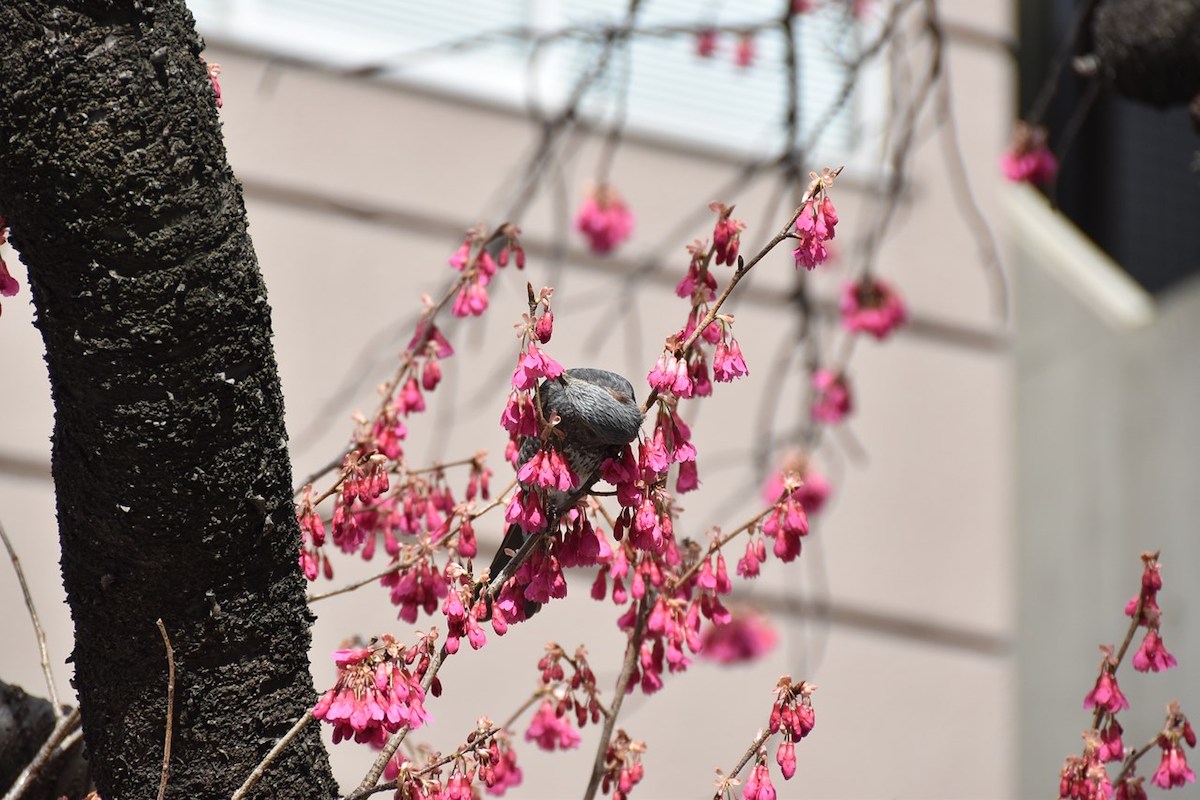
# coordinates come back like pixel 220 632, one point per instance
pixel 169 458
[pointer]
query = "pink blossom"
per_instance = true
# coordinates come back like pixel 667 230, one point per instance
pixel 746 637
pixel 1173 770
pixel 728 362
pixel 419 587
pixel 727 234
pixel 688 479
pixel 214 72
pixel 519 417
pixel 604 219
pixel 872 306
pixel 831 401
pixel 534 364
pixel 8 284
pixel 462 256
pixel 500 772
pixel 670 375
pixel 814 227
pixel 758 784
pixel 797 476
pixel 743 54
pixel 525 509
pixel 549 469
pixel 785 756
pixel 543 329
pixel 428 339
pixel 706 43
pixel 472 298
pixel 1131 789
pixel 550 730
pixel 1028 158
pixel 756 553
pixel 1152 656
pixel 375 694
pixel 1106 694
pixel 698 283
pixel 1111 746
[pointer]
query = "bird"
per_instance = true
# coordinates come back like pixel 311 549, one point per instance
pixel 597 415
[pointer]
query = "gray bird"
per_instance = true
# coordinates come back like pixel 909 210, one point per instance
pixel 597 416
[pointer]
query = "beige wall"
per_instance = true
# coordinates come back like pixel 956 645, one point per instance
pixel 900 609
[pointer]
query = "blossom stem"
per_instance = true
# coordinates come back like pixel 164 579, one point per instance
pixel 280 746
pixel 758 742
pixel 743 268
pixel 717 544
pixel 37 625
pixel 1132 759
pixel 632 650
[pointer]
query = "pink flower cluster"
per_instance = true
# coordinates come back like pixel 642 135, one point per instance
pixel 726 235
pixel 793 717
pixel 698 284
pixel 871 305
pixel 798 477
pixel 604 219
pixel 214 73
pixel 1085 777
pixel 622 765
pixel 1173 769
pixel 1028 158
pixel 814 227
pixel 551 729
pixel 494 765
pixel 747 636
pixel 1151 655
pixel 743 52
pixel 375 694
pixel 832 400
pixel 8 284
pixel 474 259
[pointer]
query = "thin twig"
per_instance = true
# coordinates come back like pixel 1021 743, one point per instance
pixel 166 762
pixel 49 750
pixel 632 651
pixel 758 742
pixel 37 625
pixel 256 775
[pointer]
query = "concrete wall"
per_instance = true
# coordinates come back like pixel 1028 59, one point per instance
pixel 900 608
pixel 1106 468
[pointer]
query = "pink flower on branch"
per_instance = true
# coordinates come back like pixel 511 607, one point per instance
pixel 8 284
pixel 727 234
pixel 604 219
pixel 728 362
pixel 550 730
pixel 832 400
pixel 814 227
pixel 375 693
pixel 871 305
pixel 533 366
pixel 1106 694
pixel 746 637
pixel 1152 655
pixel 1028 158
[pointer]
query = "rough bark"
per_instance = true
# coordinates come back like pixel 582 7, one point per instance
pixel 169 453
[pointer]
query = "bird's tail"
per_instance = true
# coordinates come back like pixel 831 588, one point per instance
pixel 514 539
